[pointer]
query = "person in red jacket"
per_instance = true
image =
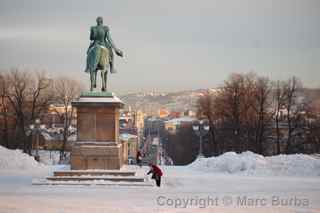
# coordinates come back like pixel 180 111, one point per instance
pixel 156 173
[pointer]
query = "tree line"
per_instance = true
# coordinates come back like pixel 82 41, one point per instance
pixel 26 96
pixel 250 112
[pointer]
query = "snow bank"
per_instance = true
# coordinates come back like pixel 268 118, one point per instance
pixel 17 162
pixel 249 163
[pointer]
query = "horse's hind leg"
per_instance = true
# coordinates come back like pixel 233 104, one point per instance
pixel 104 74
pixel 93 79
pixel 104 61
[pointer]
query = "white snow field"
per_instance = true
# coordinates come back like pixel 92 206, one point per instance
pixel 228 183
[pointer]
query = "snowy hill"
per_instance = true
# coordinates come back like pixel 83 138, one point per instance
pixel 17 162
pixel 249 163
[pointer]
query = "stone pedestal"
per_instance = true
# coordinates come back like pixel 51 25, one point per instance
pixel 97 145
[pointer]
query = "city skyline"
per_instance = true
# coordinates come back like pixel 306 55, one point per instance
pixel 168 46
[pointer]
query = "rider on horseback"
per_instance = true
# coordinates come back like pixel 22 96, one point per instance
pixel 100 54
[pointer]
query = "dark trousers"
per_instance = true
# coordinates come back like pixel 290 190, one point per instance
pixel 158 180
pixel 139 162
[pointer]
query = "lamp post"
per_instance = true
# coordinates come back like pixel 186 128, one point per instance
pixel 36 129
pixel 201 128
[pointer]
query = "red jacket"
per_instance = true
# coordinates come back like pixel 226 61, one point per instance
pixel 156 170
pixel 139 156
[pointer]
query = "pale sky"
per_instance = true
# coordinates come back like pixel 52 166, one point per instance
pixel 169 44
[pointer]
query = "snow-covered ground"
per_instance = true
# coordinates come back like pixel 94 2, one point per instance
pixel 251 164
pixel 17 163
pixel 52 157
pixel 190 188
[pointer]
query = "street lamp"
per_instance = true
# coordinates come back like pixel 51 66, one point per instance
pixel 36 129
pixel 201 128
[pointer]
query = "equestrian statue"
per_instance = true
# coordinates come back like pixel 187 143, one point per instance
pixel 100 54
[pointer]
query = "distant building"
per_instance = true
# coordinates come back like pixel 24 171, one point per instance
pixel 175 114
pixel 139 119
pixel 163 112
pixel 189 113
pixel 153 126
pixel 174 124
pixel 54 115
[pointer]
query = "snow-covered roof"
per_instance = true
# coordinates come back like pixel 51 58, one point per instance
pixel 178 121
pixel 127 136
pixel 46 136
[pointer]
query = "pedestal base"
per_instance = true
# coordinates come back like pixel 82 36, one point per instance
pixel 108 155
pixel 98 145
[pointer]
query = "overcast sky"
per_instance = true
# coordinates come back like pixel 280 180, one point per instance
pixel 168 44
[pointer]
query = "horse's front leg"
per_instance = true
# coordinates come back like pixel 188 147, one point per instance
pixel 104 74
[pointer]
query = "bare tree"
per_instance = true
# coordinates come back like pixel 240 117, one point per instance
pixel 28 94
pixel 294 107
pixel 314 134
pixel 248 114
pixel 18 96
pixel 66 90
pixel 41 94
pixel 229 106
pixel 262 113
pixel 4 107
pixel 279 101
pixel 242 106
pixel 313 122
pixel 205 106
